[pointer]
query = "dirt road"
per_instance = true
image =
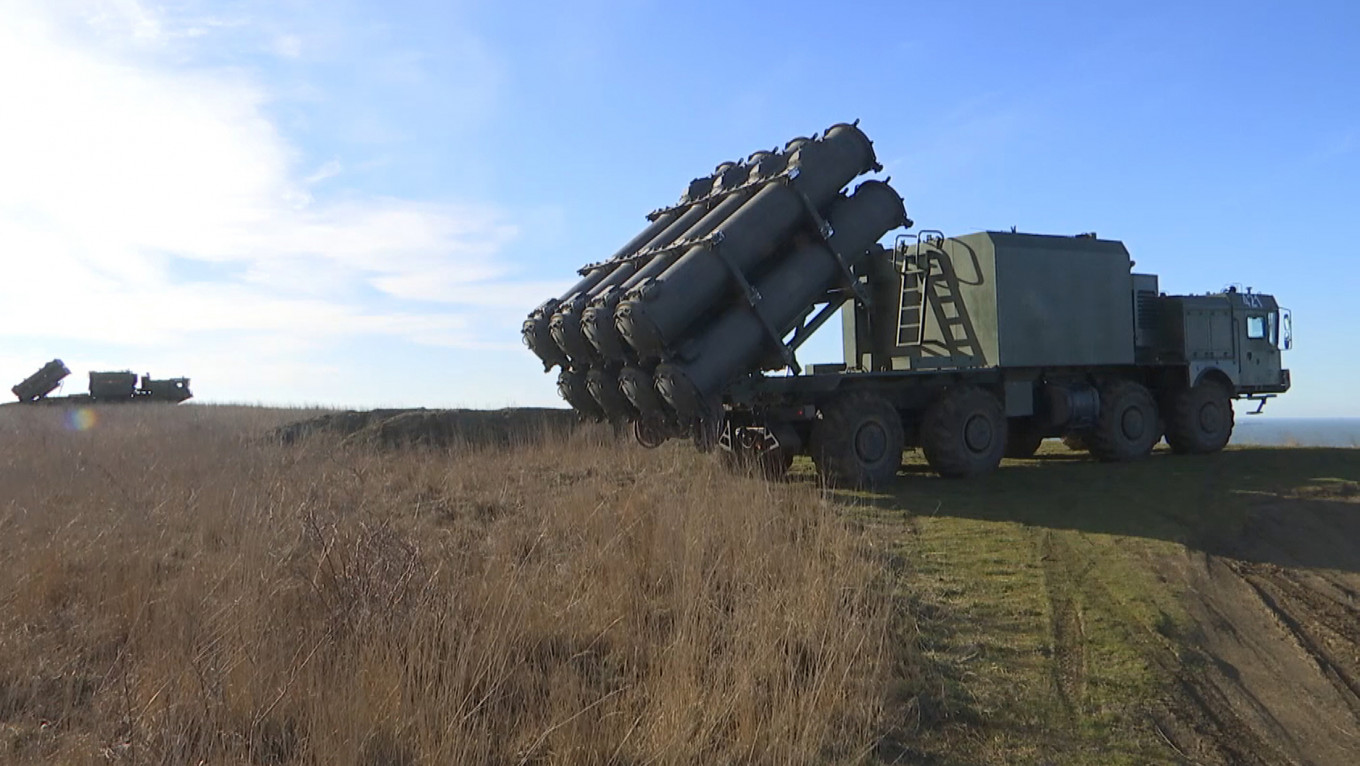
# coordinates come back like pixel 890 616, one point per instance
pixel 1179 610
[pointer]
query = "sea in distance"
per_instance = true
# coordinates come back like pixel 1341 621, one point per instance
pixel 1266 431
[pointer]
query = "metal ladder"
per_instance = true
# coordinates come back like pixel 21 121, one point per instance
pixel 915 269
pixel 928 278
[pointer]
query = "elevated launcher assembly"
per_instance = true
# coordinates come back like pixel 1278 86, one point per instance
pixel 971 348
pixel 105 387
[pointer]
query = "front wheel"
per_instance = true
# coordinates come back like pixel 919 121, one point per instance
pixel 857 441
pixel 963 433
pixel 1199 420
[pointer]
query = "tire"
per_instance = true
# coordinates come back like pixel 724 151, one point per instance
pixel 857 441
pixel 963 433
pixel 1127 427
pixel 650 432
pixel 1022 438
pixel 1199 420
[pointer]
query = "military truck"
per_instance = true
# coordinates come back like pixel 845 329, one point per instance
pixel 41 383
pixel 105 387
pixel 971 348
pixel 124 386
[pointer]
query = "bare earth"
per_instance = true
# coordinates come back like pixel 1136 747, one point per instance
pixel 1178 610
pixel 1279 627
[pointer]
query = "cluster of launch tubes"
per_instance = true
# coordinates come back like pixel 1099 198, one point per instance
pixel 705 293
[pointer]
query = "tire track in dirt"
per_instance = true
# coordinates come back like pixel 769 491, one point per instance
pixel 1067 626
pixel 1196 718
pixel 1316 622
pixel 1258 669
pixel 1274 658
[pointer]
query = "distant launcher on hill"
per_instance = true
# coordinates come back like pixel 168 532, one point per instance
pixel 105 387
pixel 971 348
pixel 41 383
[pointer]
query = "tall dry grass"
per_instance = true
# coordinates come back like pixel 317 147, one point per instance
pixel 175 589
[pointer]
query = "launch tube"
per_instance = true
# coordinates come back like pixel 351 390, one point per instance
pixel 597 320
pixel 656 313
pixel 571 385
pixel 736 342
pixel 639 387
pixel 565 324
pixel 536 331
pixel 603 385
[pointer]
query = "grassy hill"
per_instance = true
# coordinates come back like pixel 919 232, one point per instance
pixel 178 585
pixel 1181 609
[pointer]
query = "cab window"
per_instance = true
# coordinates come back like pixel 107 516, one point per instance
pixel 1274 329
pixel 1256 327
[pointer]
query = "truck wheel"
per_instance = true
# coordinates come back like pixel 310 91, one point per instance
pixel 651 432
pixel 1199 419
pixel 1127 426
pixel 1022 438
pixel 857 441
pixel 964 433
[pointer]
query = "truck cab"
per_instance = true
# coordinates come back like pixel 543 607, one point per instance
pixel 1265 331
pixel 1232 337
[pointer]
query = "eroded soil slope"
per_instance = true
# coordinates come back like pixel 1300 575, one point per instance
pixel 1179 610
pixel 1280 635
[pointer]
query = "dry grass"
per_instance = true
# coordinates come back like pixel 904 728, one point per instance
pixel 174 589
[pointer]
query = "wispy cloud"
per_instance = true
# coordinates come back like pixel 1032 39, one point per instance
pixel 145 202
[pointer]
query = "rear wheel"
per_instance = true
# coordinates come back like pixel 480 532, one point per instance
pixel 964 433
pixel 1199 420
pixel 1127 426
pixel 857 441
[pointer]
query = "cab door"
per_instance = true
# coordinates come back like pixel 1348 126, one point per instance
pixel 1259 323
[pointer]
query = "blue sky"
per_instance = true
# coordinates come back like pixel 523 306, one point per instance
pixel 356 203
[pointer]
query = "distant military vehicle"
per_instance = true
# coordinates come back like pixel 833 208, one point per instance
pixel 105 387
pixel 41 383
pixel 123 387
pixel 971 348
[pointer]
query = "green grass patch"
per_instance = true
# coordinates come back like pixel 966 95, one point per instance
pixel 1038 604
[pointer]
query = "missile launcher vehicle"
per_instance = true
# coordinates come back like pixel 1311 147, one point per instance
pixel 970 348
pixel 124 387
pixel 41 383
pixel 105 387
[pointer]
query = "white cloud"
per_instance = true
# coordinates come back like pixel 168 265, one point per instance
pixel 151 204
pixel 329 169
pixel 288 46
